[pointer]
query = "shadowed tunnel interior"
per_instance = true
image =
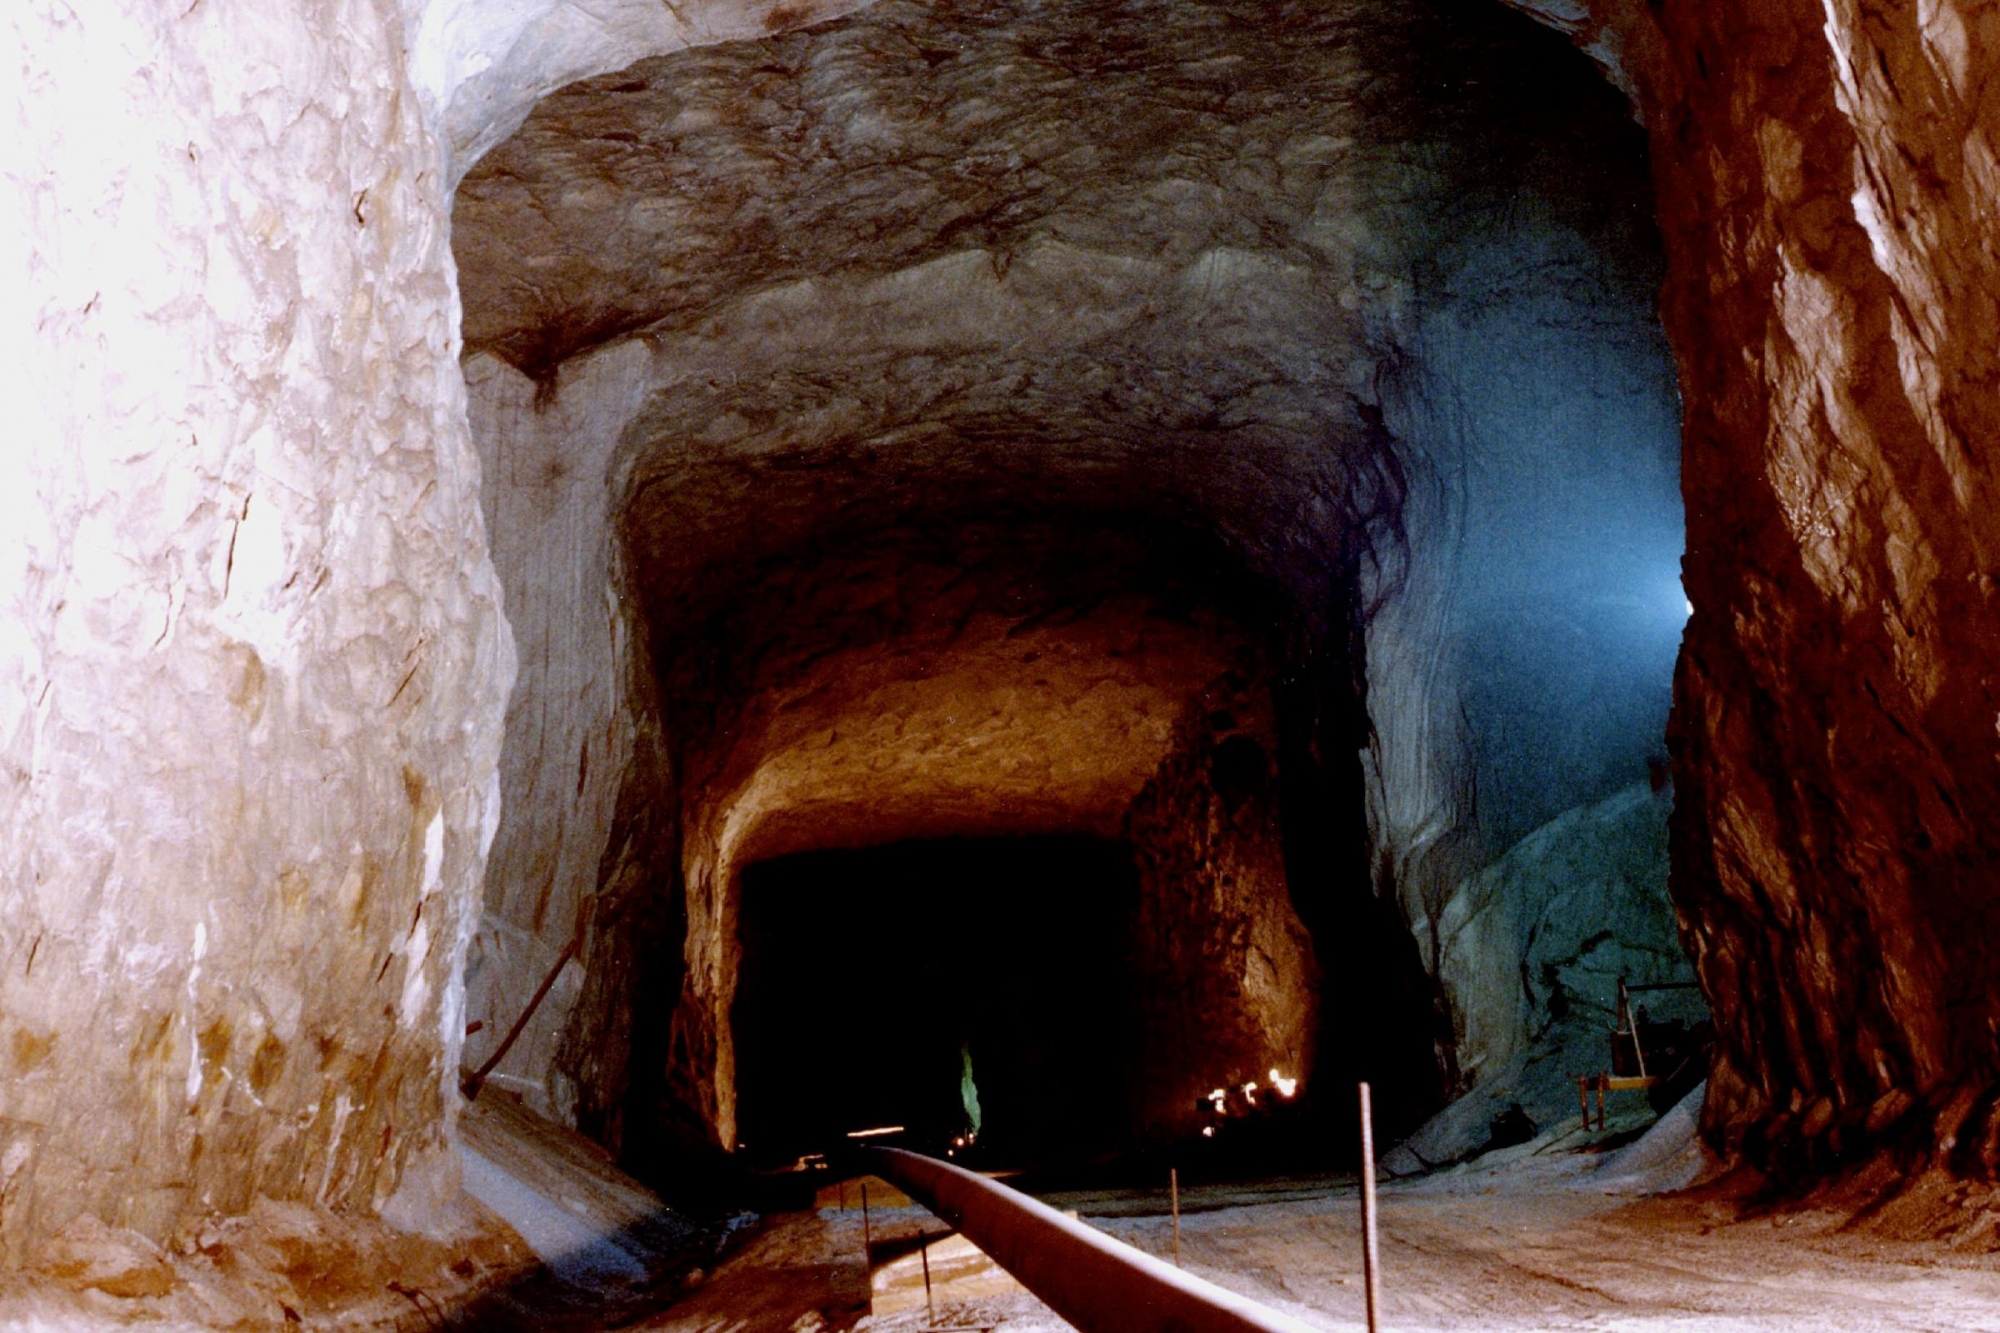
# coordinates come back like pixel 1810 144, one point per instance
pixel 951 987
pixel 1237 434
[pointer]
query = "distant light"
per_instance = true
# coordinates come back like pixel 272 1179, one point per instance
pixel 876 1132
pixel 1689 604
pixel 1285 1086
pixel 1208 1131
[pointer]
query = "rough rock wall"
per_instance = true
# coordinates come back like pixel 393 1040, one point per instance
pixel 1225 982
pixel 1587 898
pixel 485 65
pixel 1520 654
pixel 1827 188
pixel 1592 909
pixel 251 652
pixel 570 738
pixel 1227 265
pixel 1582 903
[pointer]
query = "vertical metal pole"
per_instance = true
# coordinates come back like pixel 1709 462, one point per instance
pixel 867 1240
pixel 1371 1275
pixel 930 1311
pixel 1174 1188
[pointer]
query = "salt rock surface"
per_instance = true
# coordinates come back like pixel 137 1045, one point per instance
pixel 251 650
pixel 279 1265
pixel 482 66
pixel 1581 904
pixel 1824 172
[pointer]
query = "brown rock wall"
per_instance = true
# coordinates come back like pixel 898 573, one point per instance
pixel 1827 188
pixel 1225 982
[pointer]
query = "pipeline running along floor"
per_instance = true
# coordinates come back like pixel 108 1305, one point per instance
pixel 1528 1245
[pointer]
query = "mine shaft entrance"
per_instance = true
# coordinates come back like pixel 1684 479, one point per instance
pixel 932 985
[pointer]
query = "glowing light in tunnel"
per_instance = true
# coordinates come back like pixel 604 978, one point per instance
pixel 1285 1086
pixel 874 1133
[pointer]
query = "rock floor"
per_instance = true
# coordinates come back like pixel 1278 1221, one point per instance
pixel 1537 1244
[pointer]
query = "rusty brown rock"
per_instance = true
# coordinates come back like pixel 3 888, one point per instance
pixel 1826 179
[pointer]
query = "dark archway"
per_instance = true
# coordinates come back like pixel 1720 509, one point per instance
pixel 938 985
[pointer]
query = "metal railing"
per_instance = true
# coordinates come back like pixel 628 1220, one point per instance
pixel 1099 1284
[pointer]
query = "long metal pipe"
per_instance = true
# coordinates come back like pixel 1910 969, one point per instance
pixel 1371 1259
pixel 1098 1284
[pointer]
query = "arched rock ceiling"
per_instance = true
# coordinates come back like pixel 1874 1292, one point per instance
pixel 1063 649
pixel 1137 258
pixel 483 64
pixel 994 726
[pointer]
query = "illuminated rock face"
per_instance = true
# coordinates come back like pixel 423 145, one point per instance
pixel 1824 175
pixel 967 422
pixel 485 65
pixel 251 652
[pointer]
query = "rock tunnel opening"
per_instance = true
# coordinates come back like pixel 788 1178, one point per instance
pixel 1033 673
pixel 1280 481
pixel 975 992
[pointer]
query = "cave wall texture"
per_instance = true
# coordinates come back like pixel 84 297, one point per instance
pixel 1827 188
pixel 251 651
pixel 1225 971
pixel 1825 173
pixel 1272 292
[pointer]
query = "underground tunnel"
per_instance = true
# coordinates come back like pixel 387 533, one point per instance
pixel 1166 489
pixel 599 598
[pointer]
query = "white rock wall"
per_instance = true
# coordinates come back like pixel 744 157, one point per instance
pixel 570 728
pixel 252 659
